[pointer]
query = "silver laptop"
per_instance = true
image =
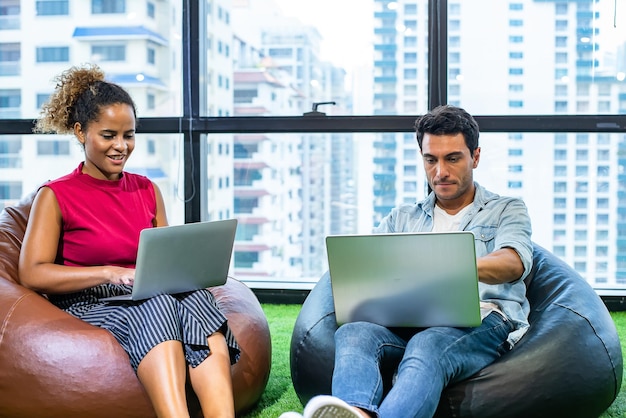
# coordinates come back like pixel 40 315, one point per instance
pixel 406 279
pixel 181 258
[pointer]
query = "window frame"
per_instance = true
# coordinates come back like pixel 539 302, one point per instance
pixel 199 125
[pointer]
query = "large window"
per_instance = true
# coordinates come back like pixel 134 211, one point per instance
pixel 10 103
pixel 10 150
pixel 297 118
pixel 10 190
pixel 10 59
pixel 52 7
pixel 100 53
pixel 53 54
pixel 108 6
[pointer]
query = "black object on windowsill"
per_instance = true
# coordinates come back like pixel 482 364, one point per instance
pixel 315 112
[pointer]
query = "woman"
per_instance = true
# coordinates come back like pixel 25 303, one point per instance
pixel 81 243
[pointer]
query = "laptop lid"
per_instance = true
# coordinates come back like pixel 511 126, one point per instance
pixel 181 258
pixel 405 280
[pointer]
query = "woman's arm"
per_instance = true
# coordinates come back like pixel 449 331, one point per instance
pixel 161 216
pixel 37 269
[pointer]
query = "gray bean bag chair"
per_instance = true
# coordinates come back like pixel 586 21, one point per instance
pixel 569 364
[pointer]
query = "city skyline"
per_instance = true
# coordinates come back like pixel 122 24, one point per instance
pixel 295 189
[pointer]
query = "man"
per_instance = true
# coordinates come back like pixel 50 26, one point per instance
pixel 428 360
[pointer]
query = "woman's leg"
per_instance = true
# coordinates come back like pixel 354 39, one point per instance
pixel 211 380
pixel 163 373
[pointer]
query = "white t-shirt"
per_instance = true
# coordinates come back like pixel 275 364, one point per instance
pixel 444 222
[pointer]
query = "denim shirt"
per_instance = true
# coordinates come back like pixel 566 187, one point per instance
pixel 496 222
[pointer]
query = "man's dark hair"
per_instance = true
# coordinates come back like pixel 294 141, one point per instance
pixel 448 120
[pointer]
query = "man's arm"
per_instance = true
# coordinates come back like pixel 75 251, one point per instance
pixel 512 256
pixel 501 266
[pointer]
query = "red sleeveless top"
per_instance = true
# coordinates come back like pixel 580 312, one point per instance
pixel 102 218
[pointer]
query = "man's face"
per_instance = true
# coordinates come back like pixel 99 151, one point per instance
pixel 449 164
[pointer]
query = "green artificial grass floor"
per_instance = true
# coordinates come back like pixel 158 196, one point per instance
pixel 279 395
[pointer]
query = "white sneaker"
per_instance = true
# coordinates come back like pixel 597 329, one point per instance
pixel 290 414
pixel 325 406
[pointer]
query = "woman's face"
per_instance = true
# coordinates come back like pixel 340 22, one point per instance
pixel 108 141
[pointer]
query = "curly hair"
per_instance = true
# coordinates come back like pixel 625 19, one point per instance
pixel 79 95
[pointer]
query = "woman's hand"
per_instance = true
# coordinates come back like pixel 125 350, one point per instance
pixel 120 275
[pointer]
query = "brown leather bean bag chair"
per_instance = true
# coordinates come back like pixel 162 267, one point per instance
pixel 569 363
pixel 54 365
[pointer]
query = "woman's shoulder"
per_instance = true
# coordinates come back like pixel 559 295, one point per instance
pixel 137 179
pixel 67 178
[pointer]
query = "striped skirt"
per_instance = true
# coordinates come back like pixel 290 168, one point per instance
pixel 140 325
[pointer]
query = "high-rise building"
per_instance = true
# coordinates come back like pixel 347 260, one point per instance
pixel 137 51
pixel 294 49
pixel 505 66
pixel 280 186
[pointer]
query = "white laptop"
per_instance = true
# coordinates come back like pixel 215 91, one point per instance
pixel 406 279
pixel 181 258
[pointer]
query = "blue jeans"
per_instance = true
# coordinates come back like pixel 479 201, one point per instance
pixel 427 363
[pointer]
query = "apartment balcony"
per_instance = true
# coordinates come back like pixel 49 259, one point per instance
pixel 589 78
pixel 587 15
pixel 252 111
pixel 385 160
pixel 252 247
pixel 385 177
pixel 138 80
pixel 100 33
pixel 386 47
pixel 253 220
pixel 386 79
pixel 385 96
pixel 387 14
pixel 383 209
pixel 390 63
pixel 247 193
pixel 586 47
pixel 249 173
pixel 386 145
pixel 248 146
pixel 587 63
pixel 587 32
pixel 379 193
pixel 250 139
pixel 385 31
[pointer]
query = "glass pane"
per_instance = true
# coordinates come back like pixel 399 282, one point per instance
pixel 141 52
pixel 537 57
pixel 289 191
pixel 28 161
pixel 139 49
pixel 574 188
pixel 277 58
